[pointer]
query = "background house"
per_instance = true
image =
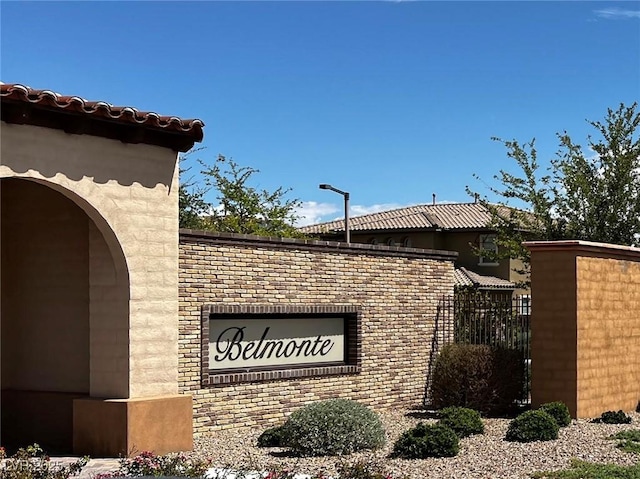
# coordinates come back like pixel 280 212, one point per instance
pixel 459 227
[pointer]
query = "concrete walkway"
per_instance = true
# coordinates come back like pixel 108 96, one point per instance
pixel 92 469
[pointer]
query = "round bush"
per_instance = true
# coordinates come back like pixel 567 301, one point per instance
pixel 477 376
pixel 271 437
pixel 426 440
pixel 362 469
pixel 463 421
pixel 558 411
pixel 331 428
pixel 614 417
pixel 532 426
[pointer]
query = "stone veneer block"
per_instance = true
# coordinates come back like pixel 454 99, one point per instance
pixel 126 427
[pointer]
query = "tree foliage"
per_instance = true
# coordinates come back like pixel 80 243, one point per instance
pixel 592 196
pixel 193 208
pixel 600 196
pixel 241 208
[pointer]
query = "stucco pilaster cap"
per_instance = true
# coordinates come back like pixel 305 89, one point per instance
pixel 584 246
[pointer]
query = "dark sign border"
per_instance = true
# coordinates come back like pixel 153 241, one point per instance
pixel 352 342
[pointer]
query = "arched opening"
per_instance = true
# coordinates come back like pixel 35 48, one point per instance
pixel 63 307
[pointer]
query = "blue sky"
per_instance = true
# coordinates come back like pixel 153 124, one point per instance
pixel 391 101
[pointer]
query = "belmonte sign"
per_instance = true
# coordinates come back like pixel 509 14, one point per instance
pixel 242 343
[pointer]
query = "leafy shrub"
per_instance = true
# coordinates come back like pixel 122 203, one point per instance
pixel 271 437
pixel 463 421
pixel 613 417
pixel 150 464
pixel 532 426
pixel 361 470
pixel 558 411
pixel 331 428
pixel 426 440
pixel 479 377
pixel 628 441
pixel 32 463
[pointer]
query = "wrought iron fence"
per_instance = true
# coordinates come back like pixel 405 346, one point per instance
pixel 475 318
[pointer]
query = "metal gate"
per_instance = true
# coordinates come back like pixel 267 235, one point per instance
pixel 477 318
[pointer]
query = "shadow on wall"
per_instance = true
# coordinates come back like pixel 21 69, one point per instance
pixel 27 148
pixel 64 313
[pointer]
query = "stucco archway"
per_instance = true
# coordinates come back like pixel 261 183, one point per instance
pixel 117 170
pixel 64 311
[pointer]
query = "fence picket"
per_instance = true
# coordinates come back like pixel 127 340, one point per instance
pixel 473 318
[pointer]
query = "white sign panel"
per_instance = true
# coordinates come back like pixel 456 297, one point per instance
pixel 246 343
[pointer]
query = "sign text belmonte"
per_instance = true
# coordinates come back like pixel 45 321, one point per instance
pixel 277 342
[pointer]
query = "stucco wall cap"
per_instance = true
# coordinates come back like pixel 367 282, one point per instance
pixel 579 245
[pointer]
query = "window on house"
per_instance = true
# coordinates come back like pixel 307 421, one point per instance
pixel 488 245
pixel 406 242
pixel 524 304
pixel 391 242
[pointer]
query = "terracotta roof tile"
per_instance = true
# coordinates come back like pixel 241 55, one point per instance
pixel 74 105
pixel 446 216
pixel 463 277
pixel 460 215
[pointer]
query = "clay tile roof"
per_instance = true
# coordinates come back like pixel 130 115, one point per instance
pixel 445 216
pixel 167 130
pixel 463 277
pixel 460 215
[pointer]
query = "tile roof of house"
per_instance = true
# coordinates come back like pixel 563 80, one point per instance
pixel 446 216
pixel 170 131
pixel 463 277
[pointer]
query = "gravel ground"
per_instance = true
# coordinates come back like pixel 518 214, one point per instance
pixel 483 456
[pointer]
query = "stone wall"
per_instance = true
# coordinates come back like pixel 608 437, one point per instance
pixel 394 290
pixel 585 326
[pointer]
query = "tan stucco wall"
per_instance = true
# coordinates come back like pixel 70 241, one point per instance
pixel 130 192
pixel 586 326
pixel 397 294
pixel 459 241
pixel 553 329
pixel 426 240
pixel 108 305
pixel 608 333
pixel 45 290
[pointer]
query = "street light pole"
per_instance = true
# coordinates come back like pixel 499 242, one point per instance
pixel 345 194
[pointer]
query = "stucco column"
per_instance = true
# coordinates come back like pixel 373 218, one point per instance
pixel 585 326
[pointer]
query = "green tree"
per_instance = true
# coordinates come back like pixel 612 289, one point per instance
pixel 193 207
pixel 593 197
pixel 599 196
pixel 241 207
